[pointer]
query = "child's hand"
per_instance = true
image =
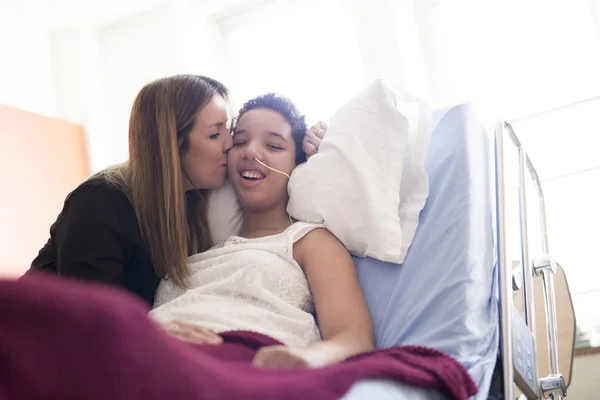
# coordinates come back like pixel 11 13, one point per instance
pixel 313 138
pixel 192 333
pixel 280 357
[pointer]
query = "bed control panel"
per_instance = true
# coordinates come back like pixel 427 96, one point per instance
pixel 524 356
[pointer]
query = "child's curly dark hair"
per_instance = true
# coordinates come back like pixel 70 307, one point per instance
pixel 285 107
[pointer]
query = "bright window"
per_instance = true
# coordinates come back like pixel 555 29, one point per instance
pixel 537 64
pixel 303 49
pixel 517 57
pixel 564 144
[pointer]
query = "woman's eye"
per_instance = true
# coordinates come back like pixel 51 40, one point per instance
pixel 239 143
pixel 274 147
pixel 214 135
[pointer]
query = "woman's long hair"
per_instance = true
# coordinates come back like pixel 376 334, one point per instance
pixel 173 223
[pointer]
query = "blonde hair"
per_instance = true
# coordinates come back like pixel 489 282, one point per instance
pixel 173 223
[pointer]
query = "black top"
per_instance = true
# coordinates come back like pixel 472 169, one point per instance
pixel 96 237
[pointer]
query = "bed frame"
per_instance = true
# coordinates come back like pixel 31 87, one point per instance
pixel 518 343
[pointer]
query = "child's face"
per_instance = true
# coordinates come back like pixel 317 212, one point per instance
pixel 264 134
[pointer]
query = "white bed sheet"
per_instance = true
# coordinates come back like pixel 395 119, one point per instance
pixel 443 296
pixel 388 390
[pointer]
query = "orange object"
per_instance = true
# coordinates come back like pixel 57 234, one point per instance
pixel 41 161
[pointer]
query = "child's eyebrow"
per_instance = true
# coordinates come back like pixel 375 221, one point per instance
pixel 277 135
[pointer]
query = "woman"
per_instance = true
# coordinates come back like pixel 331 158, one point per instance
pixel 133 224
pixel 265 279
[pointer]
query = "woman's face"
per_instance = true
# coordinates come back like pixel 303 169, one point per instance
pixel 205 162
pixel 264 134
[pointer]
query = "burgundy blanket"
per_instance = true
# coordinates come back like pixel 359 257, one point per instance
pixel 65 340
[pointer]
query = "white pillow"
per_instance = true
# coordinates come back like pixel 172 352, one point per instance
pixel 224 214
pixel 414 188
pixel 363 184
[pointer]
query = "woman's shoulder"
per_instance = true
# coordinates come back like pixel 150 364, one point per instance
pixel 98 197
pixel 98 189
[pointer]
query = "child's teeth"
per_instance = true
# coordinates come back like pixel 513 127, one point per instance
pixel 248 174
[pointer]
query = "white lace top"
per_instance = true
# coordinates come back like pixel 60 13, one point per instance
pixel 246 284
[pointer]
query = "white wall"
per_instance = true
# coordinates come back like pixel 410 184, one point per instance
pixel 99 71
pixel 130 54
pixel 25 69
pixel 173 39
pixel 79 90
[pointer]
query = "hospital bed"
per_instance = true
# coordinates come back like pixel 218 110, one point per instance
pixel 454 292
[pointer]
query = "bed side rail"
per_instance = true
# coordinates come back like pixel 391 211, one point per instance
pixel 519 191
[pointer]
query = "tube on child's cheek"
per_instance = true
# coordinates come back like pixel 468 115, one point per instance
pixel 271 168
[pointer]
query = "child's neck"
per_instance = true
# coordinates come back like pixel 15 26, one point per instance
pixel 264 223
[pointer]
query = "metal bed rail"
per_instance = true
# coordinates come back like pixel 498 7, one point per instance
pixel 518 343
